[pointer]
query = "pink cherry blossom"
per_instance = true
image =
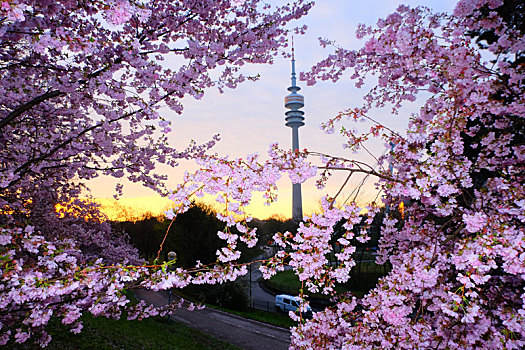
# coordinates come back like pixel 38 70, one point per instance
pixel 120 12
pixel 460 242
pixel 475 222
pixel 80 97
pixel 456 250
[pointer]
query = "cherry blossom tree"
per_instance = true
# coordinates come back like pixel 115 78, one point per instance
pixel 81 86
pixel 458 257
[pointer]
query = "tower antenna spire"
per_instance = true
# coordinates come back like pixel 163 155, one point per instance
pixel 294 77
pixel 293 50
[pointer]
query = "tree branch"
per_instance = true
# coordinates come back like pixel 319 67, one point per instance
pixel 22 169
pixel 28 105
pixel 369 172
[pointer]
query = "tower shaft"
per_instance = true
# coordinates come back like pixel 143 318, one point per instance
pixel 297 200
pixel 295 139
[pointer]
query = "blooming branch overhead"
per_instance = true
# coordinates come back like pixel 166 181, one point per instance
pixel 81 84
pixel 458 259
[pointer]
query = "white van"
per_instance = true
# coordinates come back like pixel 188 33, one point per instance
pixel 287 303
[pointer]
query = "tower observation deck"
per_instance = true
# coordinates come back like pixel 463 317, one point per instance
pixel 294 120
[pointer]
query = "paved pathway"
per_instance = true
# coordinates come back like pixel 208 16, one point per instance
pixel 260 299
pixel 239 331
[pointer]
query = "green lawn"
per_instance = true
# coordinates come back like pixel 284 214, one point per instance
pixel 287 282
pixel 102 333
pixel 364 277
pixel 276 319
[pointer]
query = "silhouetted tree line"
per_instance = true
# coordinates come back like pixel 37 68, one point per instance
pixel 267 228
pixel 193 235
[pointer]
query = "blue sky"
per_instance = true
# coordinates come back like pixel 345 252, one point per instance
pixel 251 117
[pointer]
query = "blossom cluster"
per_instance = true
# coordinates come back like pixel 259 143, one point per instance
pixel 457 253
pixel 82 85
pixel 232 182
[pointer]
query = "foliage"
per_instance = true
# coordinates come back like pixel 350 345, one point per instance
pixel 267 228
pixel 229 295
pixel 286 282
pixel 373 231
pixel 457 259
pixel 193 236
pixel 81 83
pixel 145 234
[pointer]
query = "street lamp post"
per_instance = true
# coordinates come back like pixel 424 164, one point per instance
pixel 251 266
pixel 171 257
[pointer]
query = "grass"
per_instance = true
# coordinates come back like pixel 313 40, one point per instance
pixel 364 277
pixel 287 282
pixel 279 320
pixel 102 333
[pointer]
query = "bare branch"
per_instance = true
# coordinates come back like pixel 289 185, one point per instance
pixel 370 172
pixel 342 186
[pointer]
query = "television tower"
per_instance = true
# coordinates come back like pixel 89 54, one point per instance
pixel 294 119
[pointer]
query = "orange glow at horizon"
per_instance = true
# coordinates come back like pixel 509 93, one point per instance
pixel 137 202
pixel 402 209
pixel 133 208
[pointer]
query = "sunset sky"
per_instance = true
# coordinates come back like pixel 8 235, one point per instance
pixel 251 117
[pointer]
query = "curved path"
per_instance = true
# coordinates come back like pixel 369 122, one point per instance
pixel 239 331
pixel 259 298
